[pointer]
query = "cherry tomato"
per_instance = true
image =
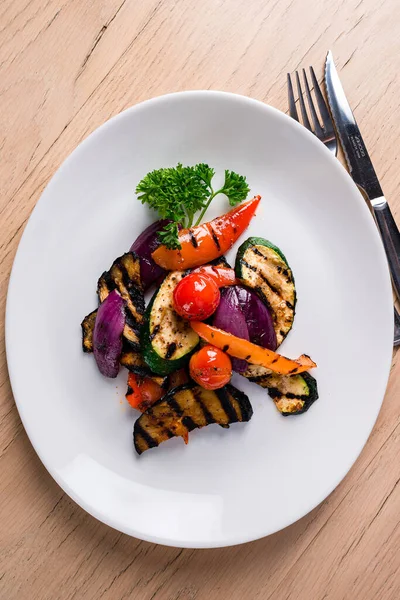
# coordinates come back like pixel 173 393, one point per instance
pixel 211 368
pixel 196 297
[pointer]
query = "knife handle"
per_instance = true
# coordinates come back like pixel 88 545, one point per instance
pixel 390 237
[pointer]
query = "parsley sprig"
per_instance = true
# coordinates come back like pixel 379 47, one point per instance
pixel 180 193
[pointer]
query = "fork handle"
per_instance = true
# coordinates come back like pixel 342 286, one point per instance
pixel 390 237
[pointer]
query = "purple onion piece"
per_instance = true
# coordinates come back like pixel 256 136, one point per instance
pixel 144 246
pixel 107 334
pixel 229 317
pixel 257 317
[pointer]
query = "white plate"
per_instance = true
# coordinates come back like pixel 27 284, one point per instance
pixel 227 486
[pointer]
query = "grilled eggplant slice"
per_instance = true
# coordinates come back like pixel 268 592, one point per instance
pixel 87 331
pixel 134 362
pixel 124 276
pixel 263 267
pixel 167 340
pixel 186 408
pixel 292 394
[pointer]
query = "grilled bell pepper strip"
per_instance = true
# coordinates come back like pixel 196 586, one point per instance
pixel 221 275
pixel 204 243
pixel 256 355
pixel 143 391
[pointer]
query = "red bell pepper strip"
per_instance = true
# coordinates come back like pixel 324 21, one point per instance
pixel 206 242
pixel 143 391
pixel 222 275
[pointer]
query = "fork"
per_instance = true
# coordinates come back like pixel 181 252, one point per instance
pixel 325 133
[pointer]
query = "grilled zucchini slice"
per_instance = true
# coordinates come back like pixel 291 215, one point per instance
pixel 124 276
pixel 167 340
pixel 292 394
pixel 263 267
pixel 186 408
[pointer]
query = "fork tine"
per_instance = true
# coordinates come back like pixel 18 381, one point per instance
pixel 304 115
pixel 323 109
pixel 292 103
pixel 317 127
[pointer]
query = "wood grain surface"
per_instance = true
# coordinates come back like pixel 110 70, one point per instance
pixel 68 65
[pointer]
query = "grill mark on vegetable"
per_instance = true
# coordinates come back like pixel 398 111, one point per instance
pixel 267 281
pixel 293 371
pixel 246 410
pixel 258 253
pixel 265 278
pixel 215 238
pixel 207 415
pixel 150 441
pixel 193 240
pixel 170 350
pixel 154 332
pixel 225 348
pixel 290 306
pixel 174 406
pixel 248 265
pixel 189 423
pixel 226 405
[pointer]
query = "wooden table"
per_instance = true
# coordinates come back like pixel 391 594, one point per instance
pixel 66 67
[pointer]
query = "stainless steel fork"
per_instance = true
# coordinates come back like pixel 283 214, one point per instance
pixel 324 131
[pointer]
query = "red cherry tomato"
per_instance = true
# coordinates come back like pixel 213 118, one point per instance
pixel 211 368
pixel 196 297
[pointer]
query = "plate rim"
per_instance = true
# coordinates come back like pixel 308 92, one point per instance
pixel 12 371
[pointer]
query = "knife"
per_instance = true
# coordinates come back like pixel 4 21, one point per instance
pixel 361 168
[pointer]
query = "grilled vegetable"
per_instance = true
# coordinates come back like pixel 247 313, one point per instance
pixel 229 317
pixel 254 354
pixel 186 408
pixel 292 394
pixel 107 334
pixel 206 242
pixel 210 367
pixel 196 296
pixel 221 275
pixel 143 246
pixel 134 361
pixel 124 276
pixel 87 331
pixel 144 391
pixel 258 318
pixel 262 266
pixel 167 340
pixel 177 378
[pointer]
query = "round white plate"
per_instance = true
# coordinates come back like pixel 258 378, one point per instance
pixel 226 486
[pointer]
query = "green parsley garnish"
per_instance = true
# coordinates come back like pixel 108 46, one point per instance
pixel 179 193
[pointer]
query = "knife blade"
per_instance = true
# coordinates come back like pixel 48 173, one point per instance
pixel 361 168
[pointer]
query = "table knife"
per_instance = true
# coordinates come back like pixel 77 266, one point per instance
pixel 361 168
